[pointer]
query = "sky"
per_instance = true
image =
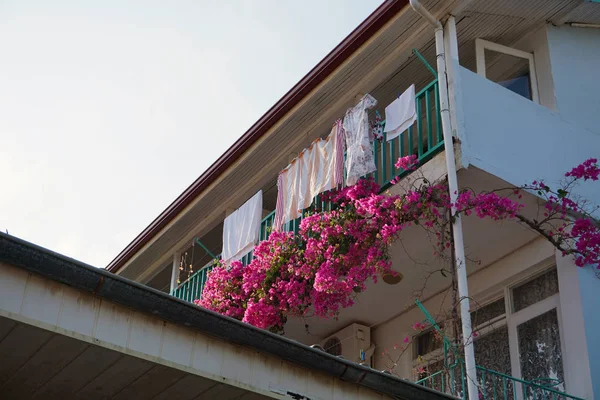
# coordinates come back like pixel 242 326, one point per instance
pixel 110 109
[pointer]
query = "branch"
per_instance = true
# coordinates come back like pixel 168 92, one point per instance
pixel 545 234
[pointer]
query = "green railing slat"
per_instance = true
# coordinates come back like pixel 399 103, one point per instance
pixel 392 154
pixel 401 143
pixel 483 385
pixel 462 380
pixel 410 141
pixel 429 125
pixel 376 155
pixel 419 128
pixel 438 114
pixel 384 166
pixel 196 288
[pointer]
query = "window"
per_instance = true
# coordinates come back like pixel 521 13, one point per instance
pixel 491 344
pixel 514 69
pixel 535 290
pixel 519 334
pixel 486 314
pixel 426 343
pixel 534 326
pixel 428 356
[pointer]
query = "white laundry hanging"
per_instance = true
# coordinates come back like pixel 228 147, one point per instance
pixel 400 114
pixel 317 169
pixel 241 229
pixel 360 160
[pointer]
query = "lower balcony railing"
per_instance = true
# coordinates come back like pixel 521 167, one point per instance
pixel 493 385
pixel 424 139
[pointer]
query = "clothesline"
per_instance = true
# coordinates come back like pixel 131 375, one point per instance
pixel 320 167
pixel 316 169
pixel 303 151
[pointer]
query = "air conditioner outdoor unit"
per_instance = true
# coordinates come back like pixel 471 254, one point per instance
pixel 353 343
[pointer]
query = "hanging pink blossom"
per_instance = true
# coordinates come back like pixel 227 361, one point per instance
pixel 321 269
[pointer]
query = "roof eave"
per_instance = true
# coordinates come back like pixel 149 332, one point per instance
pixel 80 276
pixel 310 81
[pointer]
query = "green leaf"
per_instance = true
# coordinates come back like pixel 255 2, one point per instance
pixel 562 193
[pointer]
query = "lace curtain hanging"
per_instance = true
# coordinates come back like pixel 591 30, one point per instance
pixel 360 160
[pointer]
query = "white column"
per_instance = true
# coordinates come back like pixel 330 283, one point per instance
pixel 175 271
pixel 459 248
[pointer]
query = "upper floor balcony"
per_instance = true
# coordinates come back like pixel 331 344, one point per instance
pixel 424 140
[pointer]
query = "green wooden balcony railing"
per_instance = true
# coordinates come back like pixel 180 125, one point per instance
pixel 424 139
pixel 492 385
pixel 191 288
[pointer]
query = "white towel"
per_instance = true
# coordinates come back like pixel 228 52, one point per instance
pixel 317 169
pixel 400 114
pixel 241 229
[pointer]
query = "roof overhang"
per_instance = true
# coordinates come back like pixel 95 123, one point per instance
pixel 318 74
pixel 54 293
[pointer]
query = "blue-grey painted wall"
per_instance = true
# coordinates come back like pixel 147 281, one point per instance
pixel 575 63
pixel 521 141
pixel 518 140
pixel 589 286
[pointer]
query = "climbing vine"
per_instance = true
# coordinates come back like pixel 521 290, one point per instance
pixel 321 269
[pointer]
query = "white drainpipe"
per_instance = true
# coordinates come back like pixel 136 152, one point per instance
pixel 459 248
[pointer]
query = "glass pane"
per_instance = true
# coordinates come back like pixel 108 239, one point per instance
pixel 492 352
pixel 427 342
pixel 540 352
pixel 487 312
pixel 520 85
pixel 535 290
pixel 509 71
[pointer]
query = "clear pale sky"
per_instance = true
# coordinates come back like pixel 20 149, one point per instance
pixel 110 109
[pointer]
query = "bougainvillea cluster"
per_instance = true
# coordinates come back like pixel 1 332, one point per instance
pixel 320 269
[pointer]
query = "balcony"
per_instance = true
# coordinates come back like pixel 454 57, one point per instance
pixel 506 134
pixel 424 139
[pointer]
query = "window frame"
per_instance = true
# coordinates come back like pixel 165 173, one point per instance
pixel 512 319
pixel 482 45
pixel 516 318
pixel 425 360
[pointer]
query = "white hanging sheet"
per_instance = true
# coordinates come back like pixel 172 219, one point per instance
pixel 400 114
pixel 241 229
pixel 360 160
pixel 317 169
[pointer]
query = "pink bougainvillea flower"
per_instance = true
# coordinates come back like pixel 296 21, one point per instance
pixel 323 267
